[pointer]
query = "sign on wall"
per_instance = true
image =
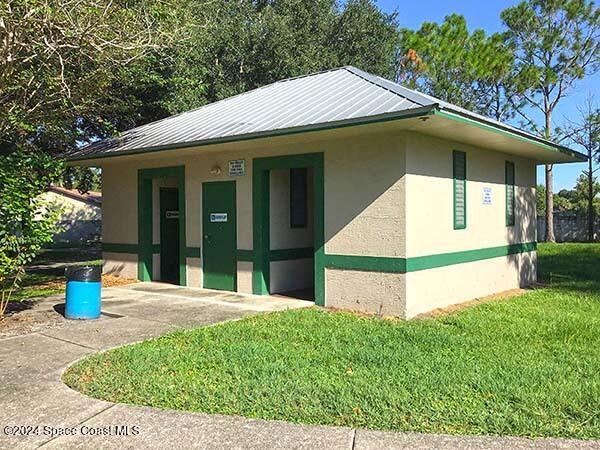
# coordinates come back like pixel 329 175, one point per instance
pixel 172 214
pixel 487 196
pixel 218 217
pixel 237 168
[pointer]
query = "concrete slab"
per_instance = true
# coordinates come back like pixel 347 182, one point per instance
pixel 159 429
pixel 245 301
pixel 25 360
pixel 185 314
pixel 47 405
pixel 375 440
pixel 101 335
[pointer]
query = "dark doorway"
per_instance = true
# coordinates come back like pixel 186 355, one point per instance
pixel 169 235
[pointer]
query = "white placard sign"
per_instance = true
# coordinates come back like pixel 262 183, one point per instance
pixel 237 168
pixel 487 196
pixel 218 217
pixel 170 214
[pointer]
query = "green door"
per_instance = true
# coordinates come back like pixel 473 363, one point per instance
pixel 169 235
pixel 219 235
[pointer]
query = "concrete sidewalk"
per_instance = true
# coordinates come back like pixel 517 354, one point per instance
pixel 32 395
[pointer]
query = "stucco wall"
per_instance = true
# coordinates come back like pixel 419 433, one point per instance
pixel 387 194
pixel 430 227
pixel 443 286
pixel 363 192
pixel 364 197
pixel 429 191
pixel 120 264
pixel 379 293
pixel 71 210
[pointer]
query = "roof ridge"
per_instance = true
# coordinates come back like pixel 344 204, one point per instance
pixel 395 88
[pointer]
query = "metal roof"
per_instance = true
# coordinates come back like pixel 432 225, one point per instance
pixel 336 97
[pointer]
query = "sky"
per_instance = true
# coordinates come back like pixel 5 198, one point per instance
pixel 486 14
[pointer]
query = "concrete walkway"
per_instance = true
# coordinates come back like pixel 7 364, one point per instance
pixel 53 416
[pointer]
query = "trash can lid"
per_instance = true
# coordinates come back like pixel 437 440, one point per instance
pixel 83 273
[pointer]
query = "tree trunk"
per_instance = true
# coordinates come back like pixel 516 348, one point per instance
pixel 549 184
pixel 590 198
pixel 549 206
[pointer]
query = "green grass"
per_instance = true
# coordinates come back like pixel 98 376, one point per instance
pixel 48 281
pixel 37 285
pixel 526 366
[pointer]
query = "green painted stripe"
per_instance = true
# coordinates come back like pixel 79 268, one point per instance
pixel 291 253
pixel 244 255
pixel 448 259
pixel 193 252
pixel 404 265
pixel 366 263
pixel 119 248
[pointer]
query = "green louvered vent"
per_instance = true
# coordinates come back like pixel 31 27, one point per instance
pixel 510 193
pixel 460 189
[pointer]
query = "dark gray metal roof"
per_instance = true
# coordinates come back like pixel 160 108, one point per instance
pixel 336 97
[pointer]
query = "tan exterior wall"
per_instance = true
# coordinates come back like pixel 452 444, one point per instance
pixel 430 224
pixel 387 194
pixel 282 235
pixel 429 199
pixel 244 277
pixel 363 191
pixel 71 209
pixel 373 292
pixel 120 264
pixel 364 197
pixel 444 286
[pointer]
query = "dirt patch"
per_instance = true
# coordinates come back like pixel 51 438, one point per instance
pixel 505 295
pixel 111 281
pixel 34 315
pixel 30 322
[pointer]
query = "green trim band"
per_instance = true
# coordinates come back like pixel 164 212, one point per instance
pixel 244 255
pixel 500 128
pixel 366 263
pixel 285 254
pixel 448 259
pixel 291 253
pixel 193 252
pixel 119 248
pixel 386 117
pixel 414 264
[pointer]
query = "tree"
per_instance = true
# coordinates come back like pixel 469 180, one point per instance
pixel 540 197
pixel 279 39
pixel 364 36
pixel 472 70
pixel 58 56
pixel 26 224
pixel 557 44
pixel 586 134
pixel 581 194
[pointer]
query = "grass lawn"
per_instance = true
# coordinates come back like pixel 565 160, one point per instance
pixel 526 366
pixel 43 282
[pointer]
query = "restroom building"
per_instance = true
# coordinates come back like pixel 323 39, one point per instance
pixel 340 187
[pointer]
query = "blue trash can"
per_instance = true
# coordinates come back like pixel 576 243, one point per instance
pixel 83 292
